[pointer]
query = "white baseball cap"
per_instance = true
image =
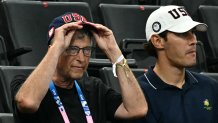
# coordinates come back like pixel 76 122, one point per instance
pixel 172 18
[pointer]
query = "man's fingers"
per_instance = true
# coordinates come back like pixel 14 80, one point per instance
pixel 72 25
pixel 69 35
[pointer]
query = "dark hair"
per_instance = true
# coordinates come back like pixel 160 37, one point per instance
pixel 149 47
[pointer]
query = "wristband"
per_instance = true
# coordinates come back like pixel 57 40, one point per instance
pixel 119 59
pixel 124 66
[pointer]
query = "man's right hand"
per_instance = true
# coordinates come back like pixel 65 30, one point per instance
pixel 63 35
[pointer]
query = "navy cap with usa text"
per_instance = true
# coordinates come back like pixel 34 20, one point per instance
pixel 67 18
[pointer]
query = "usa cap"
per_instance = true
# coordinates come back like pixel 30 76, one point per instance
pixel 68 18
pixel 172 18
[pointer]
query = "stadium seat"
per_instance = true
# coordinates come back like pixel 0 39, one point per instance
pixel 108 78
pixel 212 75
pixel 7 74
pixel 126 21
pixel 95 64
pixel 6 118
pixel 3 52
pixel 28 30
pixel 143 59
pixel 201 61
pixel 208 15
pixel 135 50
pixel 190 5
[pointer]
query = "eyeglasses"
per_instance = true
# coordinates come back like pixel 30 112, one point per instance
pixel 74 50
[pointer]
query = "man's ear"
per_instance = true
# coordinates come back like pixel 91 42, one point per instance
pixel 157 41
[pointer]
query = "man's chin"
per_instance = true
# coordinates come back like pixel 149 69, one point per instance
pixel 76 76
pixel 190 65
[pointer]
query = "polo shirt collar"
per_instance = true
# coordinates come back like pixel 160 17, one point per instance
pixel 157 83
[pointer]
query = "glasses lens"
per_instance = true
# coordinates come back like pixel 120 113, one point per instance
pixel 73 50
pixel 87 51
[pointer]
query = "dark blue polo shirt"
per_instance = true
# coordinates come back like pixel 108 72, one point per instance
pixel 196 102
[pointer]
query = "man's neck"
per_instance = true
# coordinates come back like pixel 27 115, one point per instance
pixel 63 83
pixel 170 75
